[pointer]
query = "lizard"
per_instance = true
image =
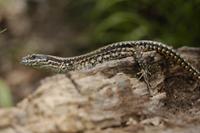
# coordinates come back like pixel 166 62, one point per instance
pixel 112 51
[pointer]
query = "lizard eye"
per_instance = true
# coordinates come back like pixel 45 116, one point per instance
pixel 33 57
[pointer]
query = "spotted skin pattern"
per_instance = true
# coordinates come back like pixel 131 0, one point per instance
pixel 112 51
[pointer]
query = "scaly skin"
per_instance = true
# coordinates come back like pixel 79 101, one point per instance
pixel 112 51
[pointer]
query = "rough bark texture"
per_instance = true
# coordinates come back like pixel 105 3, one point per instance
pixel 112 99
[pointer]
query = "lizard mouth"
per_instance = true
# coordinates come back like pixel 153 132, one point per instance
pixel 24 61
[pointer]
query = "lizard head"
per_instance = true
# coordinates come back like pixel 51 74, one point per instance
pixel 48 62
pixel 34 60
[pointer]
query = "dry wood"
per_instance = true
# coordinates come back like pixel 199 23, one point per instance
pixel 112 99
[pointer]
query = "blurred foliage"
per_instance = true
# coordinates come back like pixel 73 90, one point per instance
pixel 172 21
pixel 5 95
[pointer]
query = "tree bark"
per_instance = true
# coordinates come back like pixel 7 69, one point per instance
pixel 111 98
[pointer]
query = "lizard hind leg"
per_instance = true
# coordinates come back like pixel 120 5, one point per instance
pixel 144 69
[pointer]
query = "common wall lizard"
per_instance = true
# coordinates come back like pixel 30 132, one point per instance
pixel 112 51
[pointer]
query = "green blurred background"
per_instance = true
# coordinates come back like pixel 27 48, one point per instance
pixel 73 27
